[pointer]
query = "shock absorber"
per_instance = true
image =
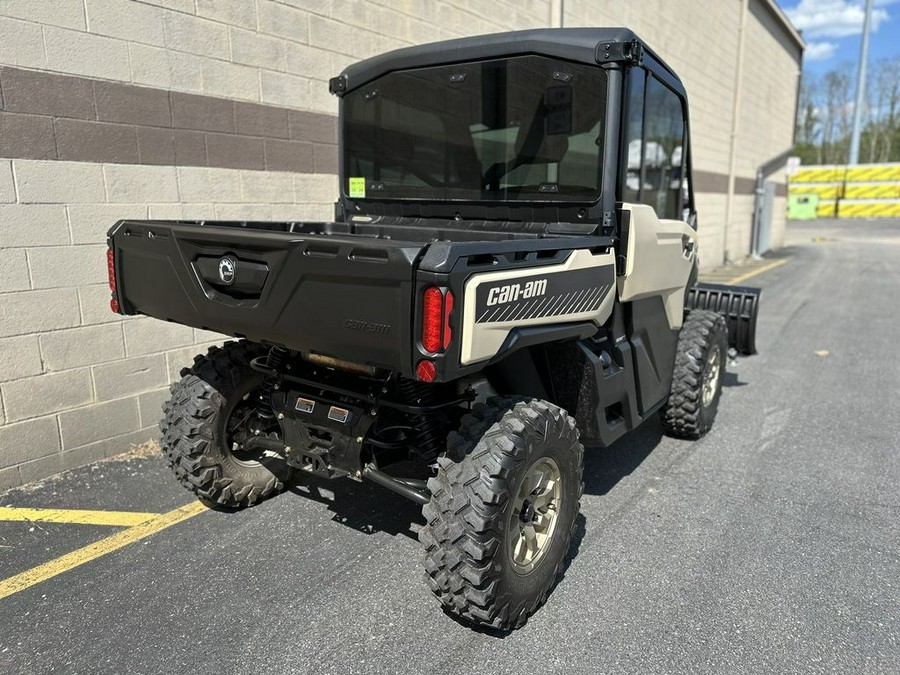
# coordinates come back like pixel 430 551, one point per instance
pixel 429 428
pixel 275 361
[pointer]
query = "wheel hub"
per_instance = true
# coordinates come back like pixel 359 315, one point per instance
pixel 527 513
pixel 711 376
pixel 534 515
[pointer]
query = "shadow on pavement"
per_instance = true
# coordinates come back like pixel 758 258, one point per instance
pixel 605 467
pixel 368 508
pixel 732 379
pixel 364 507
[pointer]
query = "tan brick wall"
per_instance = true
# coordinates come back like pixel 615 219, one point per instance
pixel 276 52
pixel 77 382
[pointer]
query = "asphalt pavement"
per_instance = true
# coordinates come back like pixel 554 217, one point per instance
pixel 771 545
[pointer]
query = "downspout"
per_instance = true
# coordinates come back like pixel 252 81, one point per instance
pixel 735 123
pixel 763 170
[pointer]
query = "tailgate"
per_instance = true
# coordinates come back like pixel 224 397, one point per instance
pixel 344 296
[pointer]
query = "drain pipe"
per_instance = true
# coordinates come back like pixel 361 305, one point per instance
pixel 735 126
pixel 765 169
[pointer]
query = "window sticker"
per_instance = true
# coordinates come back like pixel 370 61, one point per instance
pixel 357 187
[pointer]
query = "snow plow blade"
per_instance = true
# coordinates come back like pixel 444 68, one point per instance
pixel 738 304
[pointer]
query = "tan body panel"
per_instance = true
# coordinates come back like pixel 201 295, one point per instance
pixel 481 341
pixel 659 260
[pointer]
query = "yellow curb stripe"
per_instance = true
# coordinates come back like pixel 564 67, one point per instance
pixel 76 516
pixel 64 563
pixel 759 270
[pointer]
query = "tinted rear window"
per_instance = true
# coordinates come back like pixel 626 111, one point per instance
pixel 525 128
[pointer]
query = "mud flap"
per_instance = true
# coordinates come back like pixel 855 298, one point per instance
pixel 738 304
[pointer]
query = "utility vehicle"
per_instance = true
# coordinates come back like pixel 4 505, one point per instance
pixel 509 276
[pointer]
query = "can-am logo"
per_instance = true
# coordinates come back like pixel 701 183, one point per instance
pixel 500 295
pixel 367 326
pixel 227 266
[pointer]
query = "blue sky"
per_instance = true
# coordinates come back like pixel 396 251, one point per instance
pixel 833 28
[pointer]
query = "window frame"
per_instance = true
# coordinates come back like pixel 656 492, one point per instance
pixel 651 69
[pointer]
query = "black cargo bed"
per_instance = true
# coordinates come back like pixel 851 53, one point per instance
pixel 343 295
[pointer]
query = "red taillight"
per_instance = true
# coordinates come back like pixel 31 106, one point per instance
pixel 426 371
pixel 432 319
pixel 111 269
pixel 448 307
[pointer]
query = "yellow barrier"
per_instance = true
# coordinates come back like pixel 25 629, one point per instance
pixel 869 209
pixel 824 190
pixel 862 173
pixel 872 191
pixel 873 172
pixel 819 174
pixel 863 191
pixel 826 209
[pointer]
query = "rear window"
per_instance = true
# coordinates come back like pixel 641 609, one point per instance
pixel 524 128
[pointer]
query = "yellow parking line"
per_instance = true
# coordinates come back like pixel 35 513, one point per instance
pixel 76 516
pixel 759 270
pixel 64 563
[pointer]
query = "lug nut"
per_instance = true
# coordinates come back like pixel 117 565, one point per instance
pixel 281 416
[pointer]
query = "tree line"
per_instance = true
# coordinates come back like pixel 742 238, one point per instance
pixel 825 115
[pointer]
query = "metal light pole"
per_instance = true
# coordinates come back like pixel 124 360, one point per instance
pixel 860 86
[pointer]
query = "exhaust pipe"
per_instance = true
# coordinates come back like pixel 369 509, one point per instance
pixel 411 489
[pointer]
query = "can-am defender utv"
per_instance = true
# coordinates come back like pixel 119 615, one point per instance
pixel 510 275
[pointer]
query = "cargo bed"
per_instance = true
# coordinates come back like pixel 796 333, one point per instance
pixel 342 289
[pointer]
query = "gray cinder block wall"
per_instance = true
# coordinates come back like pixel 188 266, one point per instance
pixel 116 109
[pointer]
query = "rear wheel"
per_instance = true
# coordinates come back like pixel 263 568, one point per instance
pixel 502 511
pixel 698 375
pixel 211 414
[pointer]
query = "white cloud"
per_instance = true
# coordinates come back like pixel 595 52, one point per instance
pixel 819 51
pixel 834 18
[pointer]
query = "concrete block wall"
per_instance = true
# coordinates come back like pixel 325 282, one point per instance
pixel 201 109
pixel 78 382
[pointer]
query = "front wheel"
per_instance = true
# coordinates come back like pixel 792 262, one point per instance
pixel 698 375
pixel 212 411
pixel 502 512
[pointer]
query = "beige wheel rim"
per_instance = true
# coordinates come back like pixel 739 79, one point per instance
pixel 711 376
pixel 534 515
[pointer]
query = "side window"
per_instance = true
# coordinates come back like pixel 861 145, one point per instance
pixel 654 134
pixel 663 151
pixel 634 132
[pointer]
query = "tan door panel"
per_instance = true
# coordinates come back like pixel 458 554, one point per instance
pixel 659 259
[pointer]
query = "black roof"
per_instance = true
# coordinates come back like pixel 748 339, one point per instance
pixel 572 44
